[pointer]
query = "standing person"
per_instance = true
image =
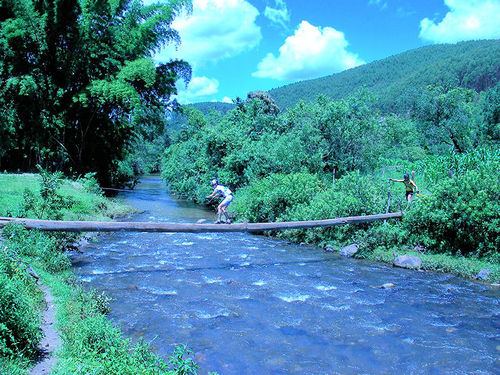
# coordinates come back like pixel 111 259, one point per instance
pixel 411 187
pixel 228 198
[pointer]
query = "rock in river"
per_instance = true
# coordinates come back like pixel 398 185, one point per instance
pixel 387 286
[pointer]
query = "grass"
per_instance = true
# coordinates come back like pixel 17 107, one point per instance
pixel 86 206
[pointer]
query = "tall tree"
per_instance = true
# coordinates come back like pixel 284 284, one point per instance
pixel 76 74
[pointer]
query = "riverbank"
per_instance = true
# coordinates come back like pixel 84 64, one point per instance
pixel 460 266
pixel 90 341
pixel 467 267
pixel 452 227
pixel 377 241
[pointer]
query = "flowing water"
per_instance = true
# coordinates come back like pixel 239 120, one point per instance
pixel 247 304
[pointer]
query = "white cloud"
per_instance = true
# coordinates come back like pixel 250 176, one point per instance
pixel 309 53
pixel 279 15
pixel 198 88
pixel 466 20
pixel 227 99
pixel 216 29
pixel 379 3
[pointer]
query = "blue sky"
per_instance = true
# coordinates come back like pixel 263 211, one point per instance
pixel 237 46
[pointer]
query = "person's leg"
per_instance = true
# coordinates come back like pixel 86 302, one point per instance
pixel 219 213
pixel 407 201
pixel 223 207
pixel 224 211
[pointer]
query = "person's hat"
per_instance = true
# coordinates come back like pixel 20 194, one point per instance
pixel 214 182
pixel 406 176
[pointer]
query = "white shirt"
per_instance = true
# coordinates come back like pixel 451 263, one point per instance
pixel 224 191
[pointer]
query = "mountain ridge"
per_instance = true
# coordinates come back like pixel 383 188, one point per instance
pixel 473 64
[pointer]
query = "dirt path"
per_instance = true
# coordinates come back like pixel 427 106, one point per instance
pixel 51 341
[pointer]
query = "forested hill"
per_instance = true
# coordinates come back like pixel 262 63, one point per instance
pixel 207 107
pixel 474 65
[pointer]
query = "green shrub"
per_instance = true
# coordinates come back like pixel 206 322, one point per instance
pixel 90 184
pixel 392 234
pixel 124 172
pixel 181 363
pixel 271 198
pixel 47 247
pixel 19 319
pixel 95 302
pixel 56 261
pixel 460 215
pixel 48 203
pixel 353 195
pixel 36 243
pixel 19 305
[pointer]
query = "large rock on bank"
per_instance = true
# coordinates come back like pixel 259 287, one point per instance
pixel 483 274
pixel 349 251
pixel 408 261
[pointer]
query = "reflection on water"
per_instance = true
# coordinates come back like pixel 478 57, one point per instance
pixel 252 305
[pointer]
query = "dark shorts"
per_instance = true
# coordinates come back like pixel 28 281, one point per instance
pixel 409 193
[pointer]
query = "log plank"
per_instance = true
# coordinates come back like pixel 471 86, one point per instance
pixel 99 226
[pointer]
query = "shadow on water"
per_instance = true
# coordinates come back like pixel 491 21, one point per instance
pixel 247 304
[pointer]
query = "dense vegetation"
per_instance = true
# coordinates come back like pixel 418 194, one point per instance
pixel 76 78
pixel 281 165
pixel 91 343
pixel 471 65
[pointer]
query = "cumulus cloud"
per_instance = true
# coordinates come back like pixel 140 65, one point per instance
pixel 311 52
pixel 227 99
pixel 278 15
pixel 197 89
pixel 215 29
pixel 466 20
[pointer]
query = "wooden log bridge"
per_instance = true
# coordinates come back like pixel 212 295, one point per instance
pixel 99 226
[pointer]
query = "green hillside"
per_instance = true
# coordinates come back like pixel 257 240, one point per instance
pixel 474 65
pixel 207 107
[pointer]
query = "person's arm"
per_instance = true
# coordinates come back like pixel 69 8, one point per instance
pixel 211 196
pixel 416 187
pixel 393 179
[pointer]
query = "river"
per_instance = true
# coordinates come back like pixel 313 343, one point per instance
pixel 248 304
